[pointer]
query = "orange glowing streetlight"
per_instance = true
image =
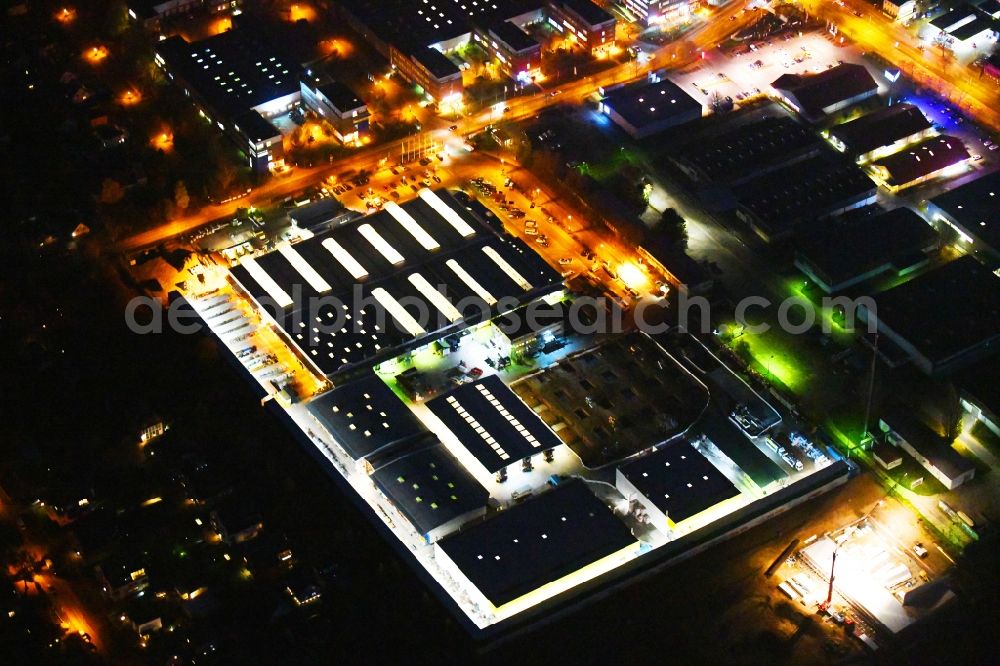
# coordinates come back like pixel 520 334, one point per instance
pixel 301 12
pixel 96 54
pixel 66 15
pixel 130 97
pixel 220 25
pixel 163 141
pixel 633 276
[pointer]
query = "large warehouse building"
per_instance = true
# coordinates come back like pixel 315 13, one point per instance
pixel 540 547
pixel 972 210
pixel 380 340
pixel 390 282
pixel 647 107
pixel 241 81
pixel 674 484
pixel 816 96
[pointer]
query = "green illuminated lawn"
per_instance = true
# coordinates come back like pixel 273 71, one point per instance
pixel 830 320
pixel 771 360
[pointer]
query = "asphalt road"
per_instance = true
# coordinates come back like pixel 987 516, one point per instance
pixel 677 54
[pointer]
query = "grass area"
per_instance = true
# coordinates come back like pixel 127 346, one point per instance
pixel 989 439
pixel 830 319
pixel 981 466
pixel 603 170
pixel 847 431
pixel 772 361
pixel 910 471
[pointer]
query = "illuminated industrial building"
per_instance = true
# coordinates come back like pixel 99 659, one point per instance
pixel 657 12
pixel 239 82
pixel 584 22
pixel 929 159
pixel 151 13
pixel 478 474
pixel 420 39
pixel 815 96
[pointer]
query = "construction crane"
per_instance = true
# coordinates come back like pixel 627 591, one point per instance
pixel 829 591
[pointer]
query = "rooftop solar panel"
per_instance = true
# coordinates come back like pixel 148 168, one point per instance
pixel 493 423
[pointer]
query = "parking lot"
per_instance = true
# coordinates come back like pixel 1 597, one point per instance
pixel 748 75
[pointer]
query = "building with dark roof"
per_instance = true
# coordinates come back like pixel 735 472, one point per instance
pixel 973 211
pixel 390 281
pixel 899 10
pixel 990 8
pixel 953 18
pixel 945 319
pixel 674 483
pixel 840 253
pixel 980 393
pixel 991 67
pixel 815 96
pixel 929 159
pixel 746 151
pixel 963 25
pixel 775 203
pixel 887 455
pixel 435 493
pixel 519 54
pixel 239 81
pixel 584 22
pixel 151 13
pixel 531 326
pixel 644 108
pixel 416 36
pixel 684 273
pixel 978 28
pixel 493 423
pixel 323 213
pixel 657 12
pixel 882 132
pixel 366 418
pixel 338 105
pixel 928 448
pixel 546 540
pixel 123 574
pixel 236 519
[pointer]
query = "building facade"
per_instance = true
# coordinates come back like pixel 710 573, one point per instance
pixel 592 26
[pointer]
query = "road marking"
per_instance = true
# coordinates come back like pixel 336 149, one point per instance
pixel 940 550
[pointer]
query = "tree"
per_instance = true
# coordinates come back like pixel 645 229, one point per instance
pixel 181 198
pixel 673 228
pixel 719 104
pixel 111 191
pixel 225 175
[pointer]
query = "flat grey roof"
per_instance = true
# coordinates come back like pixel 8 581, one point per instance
pixel 430 487
pixel 643 103
pixel 366 417
pixel 976 206
pixel 678 480
pixel 528 545
pixel 945 311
